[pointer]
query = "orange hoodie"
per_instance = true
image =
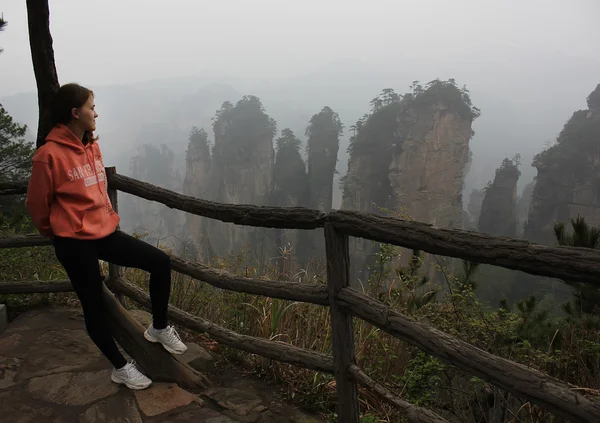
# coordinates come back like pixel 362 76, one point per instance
pixel 67 193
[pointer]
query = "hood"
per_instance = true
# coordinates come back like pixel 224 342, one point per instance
pixel 61 134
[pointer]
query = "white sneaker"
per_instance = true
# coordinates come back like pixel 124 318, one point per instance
pixel 168 337
pixel 130 376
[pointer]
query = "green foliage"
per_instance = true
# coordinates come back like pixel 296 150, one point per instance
pixel 238 128
pixel 576 144
pixel 422 379
pixel 375 136
pixel 377 130
pixel 289 171
pixel 510 165
pixel 386 98
pixel 15 152
pixel 15 164
pixel 323 143
pixel 324 130
pixel 288 140
pixel 198 143
pixel 445 92
pixel 587 297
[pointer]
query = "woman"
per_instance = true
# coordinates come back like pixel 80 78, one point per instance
pixel 68 202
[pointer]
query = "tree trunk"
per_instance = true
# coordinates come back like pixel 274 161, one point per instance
pixel 156 362
pixel 42 55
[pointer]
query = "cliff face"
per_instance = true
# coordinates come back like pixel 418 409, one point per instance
pixel 499 207
pixel 409 156
pixel 568 180
pixel 156 166
pixel 239 172
pixel 290 188
pixel 523 203
pixel 197 184
pixel 427 171
pixel 323 143
pixel 474 209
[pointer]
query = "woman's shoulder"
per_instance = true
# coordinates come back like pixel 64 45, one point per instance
pixel 45 153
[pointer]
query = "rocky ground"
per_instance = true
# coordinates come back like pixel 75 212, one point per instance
pixel 50 371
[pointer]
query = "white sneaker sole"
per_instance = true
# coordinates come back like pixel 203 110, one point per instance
pixel 129 385
pixel 166 347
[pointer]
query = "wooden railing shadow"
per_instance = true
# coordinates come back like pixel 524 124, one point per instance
pixel 344 302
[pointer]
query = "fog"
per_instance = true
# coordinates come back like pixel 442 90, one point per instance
pixel 170 65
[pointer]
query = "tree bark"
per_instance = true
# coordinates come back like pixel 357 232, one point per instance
pixel 342 329
pixel 22 241
pixel 35 287
pixel 240 214
pixel 42 55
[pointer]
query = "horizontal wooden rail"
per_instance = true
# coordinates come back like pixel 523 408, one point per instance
pixel 415 414
pixel 579 264
pixel 240 214
pixel 21 241
pixel 541 389
pixel 35 287
pixel 557 262
pixel 293 291
pixel 13 188
pixel 270 349
pixel 315 294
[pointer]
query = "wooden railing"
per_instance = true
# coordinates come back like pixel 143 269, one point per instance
pixel 346 303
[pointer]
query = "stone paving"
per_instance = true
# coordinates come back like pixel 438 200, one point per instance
pixel 50 371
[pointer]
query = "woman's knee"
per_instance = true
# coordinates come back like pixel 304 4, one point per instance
pixel 161 262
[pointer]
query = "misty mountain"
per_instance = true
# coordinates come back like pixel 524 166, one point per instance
pixel 525 99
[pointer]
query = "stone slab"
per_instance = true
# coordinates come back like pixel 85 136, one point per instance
pixel 73 388
pixel 160 398
pixel 9 343
pixel 16 407
pixel 195 415
pixel 55 351
pixel 9 366
pixel 116 409
pixel 242 403
pixel 197 358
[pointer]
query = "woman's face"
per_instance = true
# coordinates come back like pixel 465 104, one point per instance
pixel 86 115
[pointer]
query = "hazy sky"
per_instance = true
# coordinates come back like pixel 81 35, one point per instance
pixel 111 42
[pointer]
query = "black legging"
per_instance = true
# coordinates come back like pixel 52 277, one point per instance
pixel 80 260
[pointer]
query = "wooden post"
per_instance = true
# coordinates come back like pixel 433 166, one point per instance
pixel 342 330
pixel 114 271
